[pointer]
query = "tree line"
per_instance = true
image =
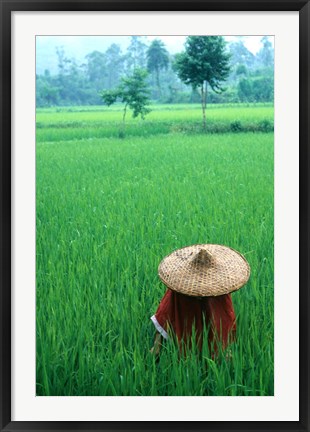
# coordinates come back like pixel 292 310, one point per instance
pixel 249 77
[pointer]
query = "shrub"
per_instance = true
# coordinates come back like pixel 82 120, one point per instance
pixel 265 126
pixel 236 126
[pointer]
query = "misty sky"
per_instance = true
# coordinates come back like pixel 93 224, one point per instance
pixel 78 46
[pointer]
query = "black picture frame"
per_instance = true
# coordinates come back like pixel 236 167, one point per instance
pixel 6 8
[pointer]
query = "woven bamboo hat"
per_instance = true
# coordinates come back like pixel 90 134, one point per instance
pixel 204 270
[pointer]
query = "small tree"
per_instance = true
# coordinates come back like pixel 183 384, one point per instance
pixel 157 59
pixel 133 92
pixel 204 62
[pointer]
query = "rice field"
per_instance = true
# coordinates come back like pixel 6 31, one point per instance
pixel 109 209
pixel 66 124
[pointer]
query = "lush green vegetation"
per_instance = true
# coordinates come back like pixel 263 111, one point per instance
pixel 62 124
pixel 250 77
pixel 109 209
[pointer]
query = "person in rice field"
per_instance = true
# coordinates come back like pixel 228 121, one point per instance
pixel 200 280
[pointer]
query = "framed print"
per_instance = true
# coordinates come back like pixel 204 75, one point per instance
pixel 154 209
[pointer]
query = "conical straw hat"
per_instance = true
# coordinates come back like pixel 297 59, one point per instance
pixel 204 270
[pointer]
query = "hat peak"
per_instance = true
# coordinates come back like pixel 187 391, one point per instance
pixel 203 258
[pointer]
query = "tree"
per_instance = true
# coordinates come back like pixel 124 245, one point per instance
pixel 157 59
pixel 70 80
pixel 96 69
pixel 265 55
pixel 241 70
pixel 133 92
pixel 245 90
pixel 258 87
pixel 263 89
pixel 204 62
pixel 63 70
pixel 136 53
pixel 114 65
pixel 47 92
pixel 240 55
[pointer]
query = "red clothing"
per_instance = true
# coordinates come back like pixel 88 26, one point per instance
pixel 180 312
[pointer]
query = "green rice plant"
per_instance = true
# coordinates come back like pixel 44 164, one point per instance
pixel 107 212
pixel 61 124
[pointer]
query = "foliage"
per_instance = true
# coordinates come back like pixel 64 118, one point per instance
pixel 133 92
pixel 241 70
pixel 204 59
pixel 241 56
pixel 79 83
pixel 257 86
pixel 157 59
pixel 47 90
pixel 96 67
pixel 204 62
pixel 266 55
pixel 136 54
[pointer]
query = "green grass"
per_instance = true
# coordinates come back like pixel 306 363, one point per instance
pixel 60 124
pixel 108 210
